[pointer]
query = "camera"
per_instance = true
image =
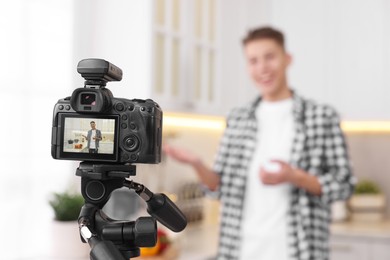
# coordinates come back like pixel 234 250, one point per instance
pixel 109 135
pixel 93 125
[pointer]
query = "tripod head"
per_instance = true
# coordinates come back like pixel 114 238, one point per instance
pixel 118 239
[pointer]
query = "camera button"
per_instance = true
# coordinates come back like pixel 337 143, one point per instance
pixel 134 157
pixel 143 108
pixel 133 126
pixel 149 109
pixel 124 126
pixel 131 107
pixel 126 157
pixel 67 107
pixel 119 107
pixel 124 117
pixel 131 143
pixel 60 107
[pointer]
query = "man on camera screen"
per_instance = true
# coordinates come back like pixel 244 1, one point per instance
pixel 93 137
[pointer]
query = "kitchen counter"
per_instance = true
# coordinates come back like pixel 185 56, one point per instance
pixel 200 241
pixel 196 242
pixel 105 147
pixel 380 229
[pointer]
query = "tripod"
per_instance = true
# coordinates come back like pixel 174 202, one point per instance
pixel 118 239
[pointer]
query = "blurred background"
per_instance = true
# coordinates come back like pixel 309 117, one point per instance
pixel 187 56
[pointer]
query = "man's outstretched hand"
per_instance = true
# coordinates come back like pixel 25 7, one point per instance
pixel 181 154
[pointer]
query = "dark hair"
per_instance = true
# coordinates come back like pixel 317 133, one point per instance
pixel 92 122
pixel 264 33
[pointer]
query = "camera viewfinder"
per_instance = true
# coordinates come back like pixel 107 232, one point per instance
pixel 88 99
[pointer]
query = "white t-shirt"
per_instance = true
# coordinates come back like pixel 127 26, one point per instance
pixel 92 142
pixel 264 225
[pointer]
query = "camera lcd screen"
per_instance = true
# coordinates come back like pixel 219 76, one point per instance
pixel 86 137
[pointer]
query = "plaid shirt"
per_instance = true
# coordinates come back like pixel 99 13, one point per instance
pixel 319 148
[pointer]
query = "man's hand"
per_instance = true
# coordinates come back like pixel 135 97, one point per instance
pixel 206 175
pixel 288 174
pixel 285 174
pixel 180 154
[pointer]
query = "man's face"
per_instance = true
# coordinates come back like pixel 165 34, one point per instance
pixel 267 64
pixel 93 125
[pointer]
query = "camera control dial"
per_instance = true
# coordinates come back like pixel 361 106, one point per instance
pixel 131 143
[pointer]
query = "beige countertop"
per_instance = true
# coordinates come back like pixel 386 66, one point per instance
pixel 378 229
pixel 200 241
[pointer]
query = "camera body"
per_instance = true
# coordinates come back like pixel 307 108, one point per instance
pixel 92 125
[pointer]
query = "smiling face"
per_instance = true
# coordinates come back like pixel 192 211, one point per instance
pixel 267 65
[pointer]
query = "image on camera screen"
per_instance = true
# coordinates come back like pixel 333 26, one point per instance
pixel 89 135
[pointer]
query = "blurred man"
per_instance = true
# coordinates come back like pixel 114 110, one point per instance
pixel 93 137
pixel 281 162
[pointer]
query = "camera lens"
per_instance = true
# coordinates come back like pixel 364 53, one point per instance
pixel 131 143
pixel 88 99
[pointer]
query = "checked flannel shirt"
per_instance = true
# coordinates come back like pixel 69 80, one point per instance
pixel 319 148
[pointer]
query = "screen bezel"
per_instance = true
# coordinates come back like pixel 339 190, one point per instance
pixel 87 156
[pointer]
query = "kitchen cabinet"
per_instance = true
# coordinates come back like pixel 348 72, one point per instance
pixel 360 240
pixel 349 249
pixel 359 248
pixel 381 250
pixel 185 55
pixel 198 64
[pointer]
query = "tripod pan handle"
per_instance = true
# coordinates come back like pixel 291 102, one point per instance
pixel 104 250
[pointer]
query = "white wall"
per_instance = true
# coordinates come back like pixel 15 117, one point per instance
pixel 118 31
pixel 341 52
pixel 339 48
pixel 41 43
pixel 35 68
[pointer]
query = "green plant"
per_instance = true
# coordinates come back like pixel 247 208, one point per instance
pixel 66 206
pixel 367 187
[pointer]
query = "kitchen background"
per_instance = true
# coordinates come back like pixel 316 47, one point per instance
pixel 187 56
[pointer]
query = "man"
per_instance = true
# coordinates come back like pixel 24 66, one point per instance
pixel 93 137
pixel 282 161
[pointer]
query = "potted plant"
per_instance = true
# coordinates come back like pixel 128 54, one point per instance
pixel 66 206
pixel 368 203
pixel 66 241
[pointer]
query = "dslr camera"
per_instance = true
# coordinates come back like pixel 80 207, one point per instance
pixel 92 125
pixel 109 135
